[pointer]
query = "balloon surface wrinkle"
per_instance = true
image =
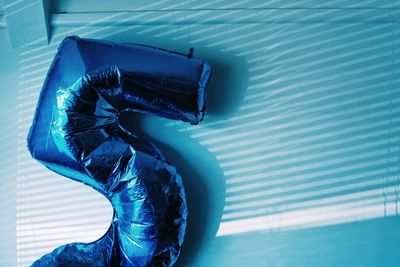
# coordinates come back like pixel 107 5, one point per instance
pixel 77 132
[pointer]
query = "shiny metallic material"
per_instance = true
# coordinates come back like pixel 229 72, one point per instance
pixel 76 132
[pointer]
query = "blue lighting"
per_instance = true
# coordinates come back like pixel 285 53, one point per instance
pixel 296 162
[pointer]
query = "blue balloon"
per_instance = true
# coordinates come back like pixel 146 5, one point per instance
pixel 76 132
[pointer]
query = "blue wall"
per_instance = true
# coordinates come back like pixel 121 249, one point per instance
pixel 8 152
pixel 297 161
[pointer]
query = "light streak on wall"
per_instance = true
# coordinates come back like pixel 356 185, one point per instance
pixel 314 141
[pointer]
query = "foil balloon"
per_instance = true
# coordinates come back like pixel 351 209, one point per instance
pixel 76 132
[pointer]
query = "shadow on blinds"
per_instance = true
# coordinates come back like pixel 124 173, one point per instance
pixel 302 130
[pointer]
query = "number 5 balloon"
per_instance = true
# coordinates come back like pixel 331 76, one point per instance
pixel 76 133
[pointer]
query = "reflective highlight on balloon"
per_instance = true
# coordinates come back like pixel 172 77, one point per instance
pixel 76 132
